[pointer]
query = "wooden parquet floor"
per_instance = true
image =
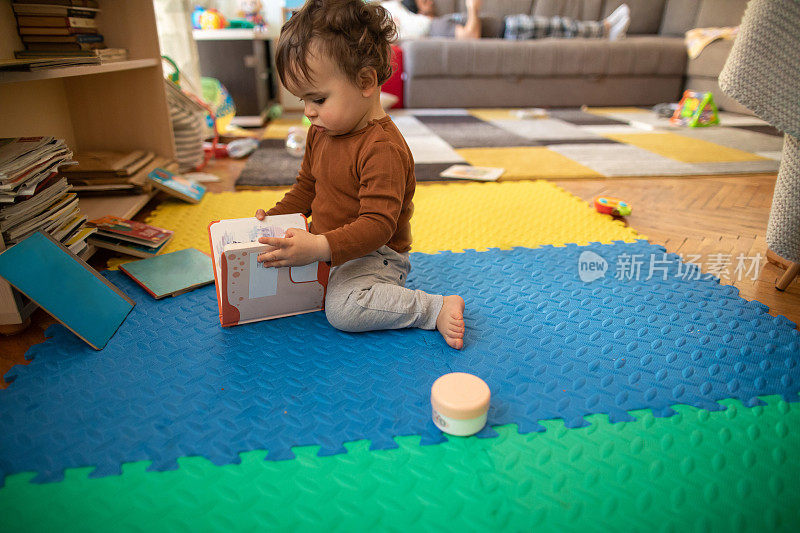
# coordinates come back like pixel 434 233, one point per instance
pixel 712 221
pixel 694 217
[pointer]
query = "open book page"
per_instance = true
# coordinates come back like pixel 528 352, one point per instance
pixel 472 173
pixel 243 233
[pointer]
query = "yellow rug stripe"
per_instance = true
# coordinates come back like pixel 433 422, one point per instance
pixel 279 128
pixel 495 114
pixel 527 162
pixel 451 216
pixel 613 110
pixel 683 148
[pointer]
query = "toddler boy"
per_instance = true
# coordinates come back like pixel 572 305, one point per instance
pixel 357 175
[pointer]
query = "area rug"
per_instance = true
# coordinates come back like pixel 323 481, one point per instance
pixel 568 143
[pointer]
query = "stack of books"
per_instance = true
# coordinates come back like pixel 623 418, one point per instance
pixel 62 28
pixel 32 195
pixel 107 171
pixel 129 236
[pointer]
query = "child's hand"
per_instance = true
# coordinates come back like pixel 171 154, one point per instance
pixel 297 248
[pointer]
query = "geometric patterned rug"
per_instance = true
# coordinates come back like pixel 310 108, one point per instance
pixel 569 143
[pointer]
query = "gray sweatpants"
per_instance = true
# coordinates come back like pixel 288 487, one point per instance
pixel 369 293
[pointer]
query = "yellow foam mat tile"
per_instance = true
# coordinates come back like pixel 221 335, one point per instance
pixel 447 216
pixel 612 110
pixel 279 128
pixel 460 216
pixel 682 148
pixel 527 162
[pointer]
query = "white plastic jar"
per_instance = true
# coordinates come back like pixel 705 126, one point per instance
pixel 460 403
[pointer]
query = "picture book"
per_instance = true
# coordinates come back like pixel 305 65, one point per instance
pixel 173 273
pixel 62 284
pixel 246 290
pixel 131 231
pixel 125 247
pixel 469 172
pixel 177 186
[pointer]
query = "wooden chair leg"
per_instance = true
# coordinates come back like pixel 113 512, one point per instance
pixel 788 276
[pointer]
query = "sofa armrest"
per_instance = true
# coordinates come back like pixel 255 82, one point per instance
pixel 711 60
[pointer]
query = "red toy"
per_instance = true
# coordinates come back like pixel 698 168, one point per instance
pixel 612 206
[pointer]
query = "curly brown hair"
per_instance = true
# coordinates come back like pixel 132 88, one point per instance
pixel 354 34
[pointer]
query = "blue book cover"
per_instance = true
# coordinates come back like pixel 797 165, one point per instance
pixel 173 273
pixel 62 284
pixel 177 186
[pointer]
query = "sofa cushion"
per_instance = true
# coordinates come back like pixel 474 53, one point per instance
pixel 679 17
pixel 711 60
pixel 635 56
pixel 645 14
pixel 490 7
pixel 577 9
pixel 443 7
pixel 720 13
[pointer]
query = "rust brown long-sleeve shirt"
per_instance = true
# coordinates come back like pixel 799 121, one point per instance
pixel 357 188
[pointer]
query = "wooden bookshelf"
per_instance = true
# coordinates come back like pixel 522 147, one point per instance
pixel 113 106
pixel 83 70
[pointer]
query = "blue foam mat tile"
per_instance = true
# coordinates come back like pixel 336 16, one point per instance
pixel 173 383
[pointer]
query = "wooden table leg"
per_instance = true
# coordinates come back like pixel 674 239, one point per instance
pixel 788 276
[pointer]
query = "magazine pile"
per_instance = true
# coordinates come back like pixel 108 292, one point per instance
pixel 32 195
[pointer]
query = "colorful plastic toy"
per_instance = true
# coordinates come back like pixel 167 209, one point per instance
pixel 612 206
pixel 211 19
pixel 696 109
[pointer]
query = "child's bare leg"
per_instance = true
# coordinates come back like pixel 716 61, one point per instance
pixel 450 321
pixel 472 29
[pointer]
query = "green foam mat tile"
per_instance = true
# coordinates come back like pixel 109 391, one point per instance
pixel 731 470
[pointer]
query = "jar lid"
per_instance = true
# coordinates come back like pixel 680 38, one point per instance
pixel 460 396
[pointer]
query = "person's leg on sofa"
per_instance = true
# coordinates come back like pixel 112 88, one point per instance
pixel 472 27
pixel 522 27
pixel 616 24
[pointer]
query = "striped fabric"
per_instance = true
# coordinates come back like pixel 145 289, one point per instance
pixel 521 27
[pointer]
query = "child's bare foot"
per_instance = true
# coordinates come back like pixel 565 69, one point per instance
pixel 450 321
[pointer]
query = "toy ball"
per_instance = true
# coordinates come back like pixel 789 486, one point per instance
pixel 211 19
pixel 612 206
pixel 196 14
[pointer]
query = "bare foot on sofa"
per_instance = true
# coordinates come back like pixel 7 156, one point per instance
pixel 472 29
pixel 617 22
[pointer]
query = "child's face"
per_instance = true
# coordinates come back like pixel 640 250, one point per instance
pixel 333 103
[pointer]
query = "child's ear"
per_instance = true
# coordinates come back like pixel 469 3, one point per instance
pixel 367 81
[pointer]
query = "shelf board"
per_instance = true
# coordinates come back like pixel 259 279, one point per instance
pixel 84 70
pixel 120 205
pixel 236 34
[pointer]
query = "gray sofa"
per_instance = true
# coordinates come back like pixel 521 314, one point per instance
pixel 649 66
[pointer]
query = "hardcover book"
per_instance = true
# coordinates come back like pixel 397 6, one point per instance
pixel 131 231
pixel 246 290
pixel 177 186
pixel 62 284
pixel 469 172
pixel 171 274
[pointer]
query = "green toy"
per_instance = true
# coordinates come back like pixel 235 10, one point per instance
pixel 696 109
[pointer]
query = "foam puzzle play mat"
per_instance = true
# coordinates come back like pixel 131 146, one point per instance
pixel 621 399
pixel 561 144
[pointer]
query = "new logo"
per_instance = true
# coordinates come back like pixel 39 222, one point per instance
pixel 591 266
